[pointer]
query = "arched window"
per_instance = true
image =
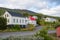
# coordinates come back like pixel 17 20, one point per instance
pixel 7 15
pixel 8 20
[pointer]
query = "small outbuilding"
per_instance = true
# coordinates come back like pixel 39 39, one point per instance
pixel 47 19
pixel 58 31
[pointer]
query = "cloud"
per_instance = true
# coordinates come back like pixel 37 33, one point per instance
pixel 55 11
pixel 48 7
pixel 25 3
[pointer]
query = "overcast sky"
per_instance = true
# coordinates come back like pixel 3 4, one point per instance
pixel 48 7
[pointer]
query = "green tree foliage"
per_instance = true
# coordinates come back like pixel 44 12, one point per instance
pixel 1 11
pixel 26 14
pixel 43 33
pixel 3 23
pixel 40 15
pixel 31 27
pixel 16 27
pixel 38 21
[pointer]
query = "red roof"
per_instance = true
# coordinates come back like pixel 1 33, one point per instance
pixel 32 18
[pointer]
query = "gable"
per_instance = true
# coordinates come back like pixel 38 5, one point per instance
pixel 6 14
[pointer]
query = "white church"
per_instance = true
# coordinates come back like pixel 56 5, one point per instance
pixel 14 18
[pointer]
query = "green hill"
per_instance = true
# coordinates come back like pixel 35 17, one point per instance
pixel 25 12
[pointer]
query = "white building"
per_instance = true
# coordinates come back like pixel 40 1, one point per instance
pixel 50 19
pixel 14 18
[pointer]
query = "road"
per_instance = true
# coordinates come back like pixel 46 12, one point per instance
pixel 23 33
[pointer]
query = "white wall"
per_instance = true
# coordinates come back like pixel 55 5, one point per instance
pixel 8 18
pixel 50 20
pixel 32 22
pixel 21 21
pixel 24 20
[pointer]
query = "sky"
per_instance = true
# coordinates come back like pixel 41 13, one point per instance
pixel 47 7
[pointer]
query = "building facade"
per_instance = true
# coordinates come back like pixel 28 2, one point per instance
pixel 17 19
pixel 50 19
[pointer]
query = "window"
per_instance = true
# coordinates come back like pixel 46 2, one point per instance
pixel 20 20
pixel 17 20
pixel 8 20
pixel 26 20
pixel 7 15
pixel 13 20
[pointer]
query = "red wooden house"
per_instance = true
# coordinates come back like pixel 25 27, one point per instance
pixel 58 31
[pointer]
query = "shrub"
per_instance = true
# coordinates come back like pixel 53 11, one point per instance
pixel 16 27
pixel 30 27
pixel 3 23
pixel 43 33
pixel 22 38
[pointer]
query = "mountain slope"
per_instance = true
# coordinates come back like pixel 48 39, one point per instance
pixel 23 11
pixel 2 10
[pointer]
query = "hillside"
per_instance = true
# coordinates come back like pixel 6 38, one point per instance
pixel 2 10
pixel 25 12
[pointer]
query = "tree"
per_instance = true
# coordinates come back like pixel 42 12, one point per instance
pixel 3 23
pixel 26 14
pixel 44 33
pixel 31 27
pixel 38 21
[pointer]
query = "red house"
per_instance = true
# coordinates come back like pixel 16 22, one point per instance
pixel 32 18
pixel 58 31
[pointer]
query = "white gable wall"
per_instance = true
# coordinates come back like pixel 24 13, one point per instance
pixel 8 17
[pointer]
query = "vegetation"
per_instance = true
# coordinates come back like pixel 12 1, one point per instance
pixel 22 38
pixel 38 21
pixel 50 25
pixel 13 29
pixel 26 14
pixel 40 15
pixel 43 33
pixel 30 27
pixel 3 23
pixel 1 11
pixel 16 27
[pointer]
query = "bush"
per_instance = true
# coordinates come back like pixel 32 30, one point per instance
pixel 43 33
pixel 22 38
pixel 31 27
pixel 3 23
pixel 16 27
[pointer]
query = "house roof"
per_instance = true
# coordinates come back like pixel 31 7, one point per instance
pixel 15 14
